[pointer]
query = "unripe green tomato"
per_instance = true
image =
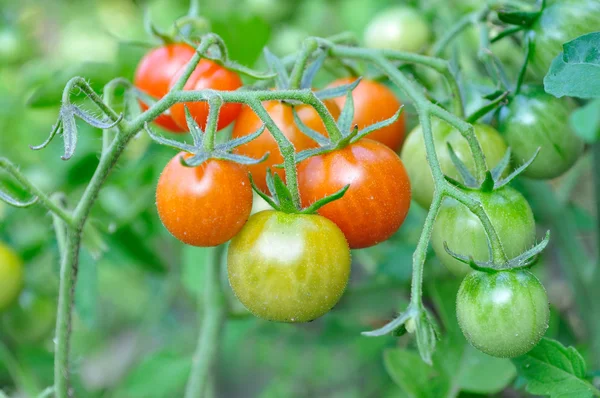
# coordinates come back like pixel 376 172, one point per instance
pixel 503 314
pixel 535 120
pixel 31 320
pixel 288 267
pixel 415 161
pixel 560 22
pixel 11 276
pixel 510 215
pixel 398 28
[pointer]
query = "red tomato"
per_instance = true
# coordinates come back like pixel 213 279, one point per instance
pixel 208 74
pixel 283 117
pixel 374 102
pixel 376 203
pixel 205 205
pixel 155 72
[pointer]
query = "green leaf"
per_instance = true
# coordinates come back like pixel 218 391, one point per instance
pixel 576 71
pixel 554 370
pixel 162 374
pixel 585 121
pixel 245 36
pixel 413 375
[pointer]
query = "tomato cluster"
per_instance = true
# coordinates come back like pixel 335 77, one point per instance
pixel 283 266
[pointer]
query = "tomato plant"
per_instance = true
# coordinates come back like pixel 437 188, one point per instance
pixel 208 75
pixel 205 205
pixel 11 276
pixel 155 72
pixel 504 314
pixel 413 155
pixel 535 120
pixel 510 215
pixel 375 205
pixel 282 115
pixel 374 102
pixel 288 267
pixel 398 28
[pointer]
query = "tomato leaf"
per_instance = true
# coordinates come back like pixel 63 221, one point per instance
pixel 414 376
pixel 554 370
pixel 576 71
pixel 585 121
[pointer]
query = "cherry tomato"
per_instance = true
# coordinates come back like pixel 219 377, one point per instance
pixel 413 155
pixel 375 205
pixel 398 28
pixel 208 74
pixel 560 22
pixel 282 115
pixel 11 276
pixel 504 314
pixel 205 205
pixel 288 267
pixel 155 72
pixel 374 102
pixel 31 320
pixel 535 120
pixel 510 215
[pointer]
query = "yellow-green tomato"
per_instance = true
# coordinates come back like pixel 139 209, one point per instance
pixel 11 276
pixel 31 320
pixel 398 28
pixel 415 161
pixel 504 314
pixel 462 231
pixel 288 267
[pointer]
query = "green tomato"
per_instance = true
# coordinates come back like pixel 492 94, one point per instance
pixel 11 276
pixel 415 161
pixel 503 314
pixel 398 28
pixel 462 231
pixel 288 267
pixel 535 120
pixel 560 22
pixel 31 320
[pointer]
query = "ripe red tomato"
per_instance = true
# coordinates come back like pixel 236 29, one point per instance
pixel 155 72
pixel 282 115
pixel 205 205
pixel 208 74
pixel 374 102
pixel 376 203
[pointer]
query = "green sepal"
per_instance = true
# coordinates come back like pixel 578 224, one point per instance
pixel 286 203
pixel 5 197
pixel 506 32
pixel 515 173
pixel 323 201
pixel 55 130
pixel 465 174
pixel 376 126
pixel 393 325
pixel 426 332
pixel 263 195
pixel 488 182
pixel 347 114
pixel 195 130
pixel 338 91
pixel 310 72
pixel 312 134
pixel 496 102
pixel 240 159
pixel 519 18
pixel 236 142
pixel 282 80
pixel 499 169
pixel 168 142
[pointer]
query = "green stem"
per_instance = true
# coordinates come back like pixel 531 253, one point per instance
pixel 308 47
pixel 207 41
pixel 215 102
pixel 463 23
pixel 68 275
pixel 214 304
pixel 42 197
pixel 194 10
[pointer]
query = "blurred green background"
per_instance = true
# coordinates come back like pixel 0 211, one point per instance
pixel 137 318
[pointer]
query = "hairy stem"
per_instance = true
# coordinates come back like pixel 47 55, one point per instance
pixel 308 47
pixel 214 305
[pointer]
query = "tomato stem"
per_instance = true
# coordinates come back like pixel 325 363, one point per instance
pixel 215 102
pixel 213 304
pixel 308 47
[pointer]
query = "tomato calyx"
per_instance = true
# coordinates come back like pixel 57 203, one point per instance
pixel 521 17
pixel 203 147
pixel 349 134
pixel 281 197
pixel 524 260
pixel 493 178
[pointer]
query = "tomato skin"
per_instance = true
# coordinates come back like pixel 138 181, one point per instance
pixel 374 102
pixel 208 75
pixel 155 72
pixel 398 28
pixel 375 205
pixel 414 156
pixel 535 120
pixel 288 267
pixel 510 215
pixel 560 22
pixel 11 276
pixel 282 114
pixel 31 320
pixel 503 314
pixel 205 205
